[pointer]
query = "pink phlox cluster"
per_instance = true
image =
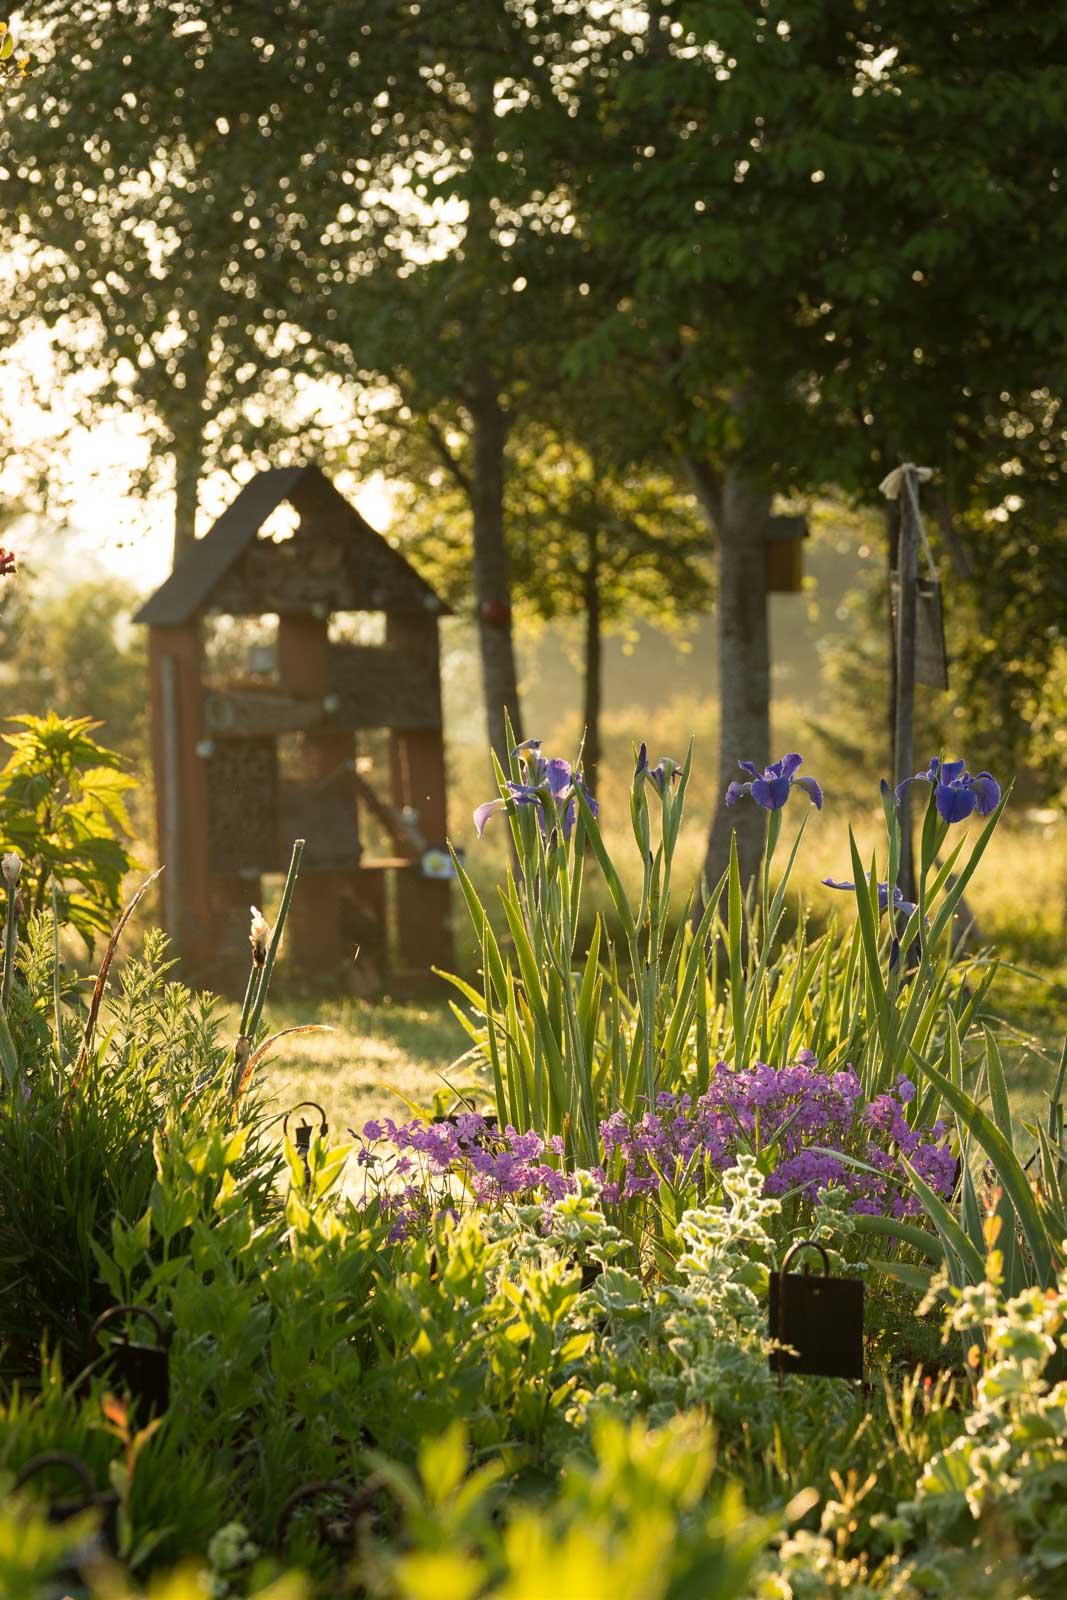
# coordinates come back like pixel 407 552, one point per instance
pixel 811 1120
pixel 495 1166
pixel 809 1123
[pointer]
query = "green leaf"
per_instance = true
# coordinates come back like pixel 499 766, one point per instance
pixel 1010 1173
pixel 965 1263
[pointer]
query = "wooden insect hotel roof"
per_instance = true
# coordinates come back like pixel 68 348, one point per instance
pixel 335 560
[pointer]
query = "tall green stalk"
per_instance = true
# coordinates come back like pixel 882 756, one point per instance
pixel 570 1034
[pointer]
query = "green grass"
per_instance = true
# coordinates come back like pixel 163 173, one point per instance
pixel 372 1050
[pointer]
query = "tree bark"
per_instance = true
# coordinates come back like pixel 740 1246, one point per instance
pixel 739 511
pixel 594 666
pixel 186 417
pixel 489 422
pixel 188 464
pixel 492 586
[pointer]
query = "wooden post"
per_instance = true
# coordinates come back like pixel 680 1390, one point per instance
pixel 181 795
pixel 417 759
pixel 204 912
pixel 904 713
pixel 168 792
pixel 892 530
pixel 316 944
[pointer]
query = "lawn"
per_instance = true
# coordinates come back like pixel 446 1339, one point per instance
pixel 374 1053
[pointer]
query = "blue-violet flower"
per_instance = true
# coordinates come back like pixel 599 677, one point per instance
pixel 770 788
pixel 551 786
pixel 956 793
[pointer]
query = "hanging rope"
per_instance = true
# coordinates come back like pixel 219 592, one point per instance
pixel 908 473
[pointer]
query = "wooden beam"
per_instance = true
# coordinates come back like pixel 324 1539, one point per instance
pixel 417 760
pixel 249 713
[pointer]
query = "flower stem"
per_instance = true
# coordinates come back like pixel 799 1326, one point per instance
pixel 56 979
pixel 272 950
pixel 250 995
pixel 10 939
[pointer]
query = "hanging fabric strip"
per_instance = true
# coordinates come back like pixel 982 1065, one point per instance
pixel 931 660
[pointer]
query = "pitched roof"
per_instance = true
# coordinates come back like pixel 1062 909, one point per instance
pixel 206 563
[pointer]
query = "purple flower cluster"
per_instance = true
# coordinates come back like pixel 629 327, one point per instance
pixel 551 786
pixel 806 1121
pixel 490 1166
pixel 808 1126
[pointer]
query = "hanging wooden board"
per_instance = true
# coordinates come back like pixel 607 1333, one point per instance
pixel 785 554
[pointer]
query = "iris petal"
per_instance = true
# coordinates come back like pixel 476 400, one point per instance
pixel 954 804
pixel 524 794
pixel 560 776
pixel 812 788
pixel 735 792
pixel 789 764
pixel 484 812
pixel 771 795
pixel 987 793
pixel 751 768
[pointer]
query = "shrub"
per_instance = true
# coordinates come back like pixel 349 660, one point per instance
pixel 62 808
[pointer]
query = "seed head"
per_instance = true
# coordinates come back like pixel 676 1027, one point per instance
pixel 12 867
pixel 259 936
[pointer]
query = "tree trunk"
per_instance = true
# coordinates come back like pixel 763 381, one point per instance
pixel 186 417
pixel 594 666
pixel 492 587
pixel 740 512
pixel 188 464
pixel 489 421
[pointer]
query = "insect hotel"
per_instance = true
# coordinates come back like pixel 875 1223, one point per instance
pixel 320 719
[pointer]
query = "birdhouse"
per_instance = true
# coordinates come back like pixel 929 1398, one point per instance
pixel 315 734
pixel 785 554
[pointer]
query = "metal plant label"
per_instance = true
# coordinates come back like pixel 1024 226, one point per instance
pixel 141 1367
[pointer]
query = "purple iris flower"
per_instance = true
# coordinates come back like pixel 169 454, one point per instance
pixel 660 776
pixel 956 793
pixel 551 786
pixel 899 902
pixel 770 788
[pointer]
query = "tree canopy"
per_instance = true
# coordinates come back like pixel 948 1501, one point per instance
pixel 572 256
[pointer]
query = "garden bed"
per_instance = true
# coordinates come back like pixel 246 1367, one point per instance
pixel 517 1343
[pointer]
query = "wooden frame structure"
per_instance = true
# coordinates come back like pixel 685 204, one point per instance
pixel 227 809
